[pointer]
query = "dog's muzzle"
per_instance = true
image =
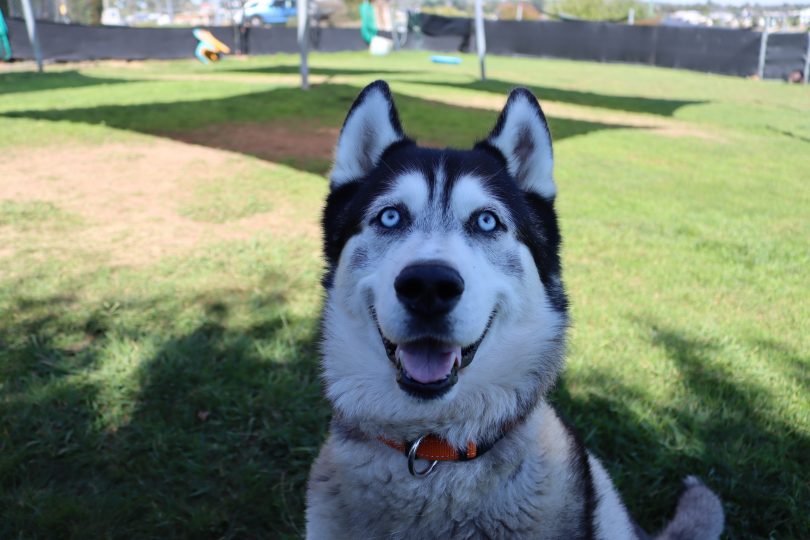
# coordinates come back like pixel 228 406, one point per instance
pixel 428 368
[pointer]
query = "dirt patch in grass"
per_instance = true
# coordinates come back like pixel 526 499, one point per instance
pixel 308 147
pixel 129 198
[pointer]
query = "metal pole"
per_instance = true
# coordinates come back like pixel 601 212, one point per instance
pixel 392 14
pixel 303 40
pixel 763 47
pixel 807 60
pixel 31 26
pixel 480 38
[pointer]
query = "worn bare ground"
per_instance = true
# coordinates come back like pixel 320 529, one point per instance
pixel 128 197
pixel 273 142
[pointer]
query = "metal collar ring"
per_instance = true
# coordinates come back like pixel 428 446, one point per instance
pixel 412 459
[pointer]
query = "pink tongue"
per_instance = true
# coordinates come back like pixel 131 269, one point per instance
pixel 426 362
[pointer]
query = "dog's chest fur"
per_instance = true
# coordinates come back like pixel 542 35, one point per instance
pixel 526 486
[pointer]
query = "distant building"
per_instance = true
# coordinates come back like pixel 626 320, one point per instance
pixel 687 17
pixel 804 17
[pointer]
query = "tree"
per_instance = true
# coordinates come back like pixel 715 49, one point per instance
pixel 85 11
pixel 598 10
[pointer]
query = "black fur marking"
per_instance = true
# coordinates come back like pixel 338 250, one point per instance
pixel 582 468
pixel 524 148
pixel 366 143
pixel 337 227
pixel 545 249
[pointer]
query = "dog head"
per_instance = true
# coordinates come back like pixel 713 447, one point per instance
pixel 445 311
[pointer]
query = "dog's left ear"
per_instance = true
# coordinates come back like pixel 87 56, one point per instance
pixel 521 135
pixel 371 126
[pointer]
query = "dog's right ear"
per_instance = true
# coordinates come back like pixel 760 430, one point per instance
pixel 371 126
pixel 522 137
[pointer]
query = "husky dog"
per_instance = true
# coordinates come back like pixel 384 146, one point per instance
pixel 443 330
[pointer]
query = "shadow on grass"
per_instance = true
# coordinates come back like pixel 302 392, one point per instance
pixel 208 433
pixel 719 430
pixel 790 134
pixel 126 419
pixel 637 104
pixel 29 81
pixel 272 119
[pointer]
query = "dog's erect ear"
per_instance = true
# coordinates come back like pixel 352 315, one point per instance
pixel 371 126
pixel 521 135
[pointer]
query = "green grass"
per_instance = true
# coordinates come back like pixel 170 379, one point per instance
pixel 35 214
pixel 240 192
pixel 180 398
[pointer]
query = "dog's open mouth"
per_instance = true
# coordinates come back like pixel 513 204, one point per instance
pixel 427 367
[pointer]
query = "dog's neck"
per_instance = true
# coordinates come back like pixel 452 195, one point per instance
pixel 433 447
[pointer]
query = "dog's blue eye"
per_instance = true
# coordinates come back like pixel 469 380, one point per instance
pixel 487 221
pixel 389 217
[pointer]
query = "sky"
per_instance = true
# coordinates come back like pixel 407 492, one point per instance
pixel 805 3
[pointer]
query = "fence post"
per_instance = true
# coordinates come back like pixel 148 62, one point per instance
pixel 807 60
pixel 31 26
pixel 303 40
pixel 763 48
pixel 480 38
pixel 392 14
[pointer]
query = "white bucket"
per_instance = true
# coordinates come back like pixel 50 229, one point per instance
pixel 380 46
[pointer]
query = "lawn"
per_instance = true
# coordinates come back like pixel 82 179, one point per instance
pixel 160 264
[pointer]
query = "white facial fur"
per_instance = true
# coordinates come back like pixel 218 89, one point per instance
pixel 519 356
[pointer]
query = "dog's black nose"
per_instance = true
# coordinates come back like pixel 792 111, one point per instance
pixel 430 289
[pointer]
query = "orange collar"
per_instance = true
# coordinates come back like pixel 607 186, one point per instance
pixel 432 448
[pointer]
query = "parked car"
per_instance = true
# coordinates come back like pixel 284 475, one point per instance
pixel 261 12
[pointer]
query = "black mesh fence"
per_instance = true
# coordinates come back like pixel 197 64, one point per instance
pixel 725 51
pixel 785 54
pixel 71 42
